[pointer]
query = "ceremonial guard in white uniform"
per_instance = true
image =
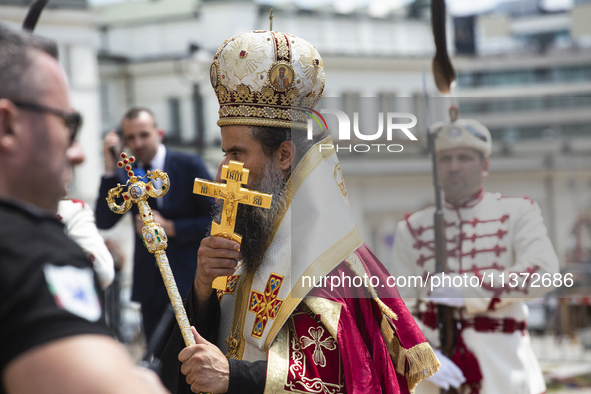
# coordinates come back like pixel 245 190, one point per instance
pixel 498 254
pixel 78 218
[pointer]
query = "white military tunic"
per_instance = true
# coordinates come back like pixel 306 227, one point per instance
pixel 488 234
pixel 80 224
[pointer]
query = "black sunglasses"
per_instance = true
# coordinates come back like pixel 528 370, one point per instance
pixel 72 120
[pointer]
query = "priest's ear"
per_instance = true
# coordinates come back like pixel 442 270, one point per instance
pixel 285 155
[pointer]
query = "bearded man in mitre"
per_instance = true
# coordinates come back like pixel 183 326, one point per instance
pixel 277 326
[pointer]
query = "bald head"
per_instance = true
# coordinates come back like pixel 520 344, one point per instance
pixel 36 152
pixel 18 81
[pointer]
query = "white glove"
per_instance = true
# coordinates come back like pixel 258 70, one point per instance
pixel 445 293
pixel 448 375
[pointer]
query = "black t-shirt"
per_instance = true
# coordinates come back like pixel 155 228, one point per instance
pixel 48 289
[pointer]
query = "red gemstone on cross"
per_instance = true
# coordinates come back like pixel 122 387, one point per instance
pixel 242 54
pixel 131 159
pixel 123 155
pixel 120 164
pixel 128 168
pixel 125 162
pixel 130 173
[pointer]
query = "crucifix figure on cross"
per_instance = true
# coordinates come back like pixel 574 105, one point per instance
pixel 232 193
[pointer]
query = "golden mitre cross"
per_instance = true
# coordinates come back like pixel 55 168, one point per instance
pixel 233 194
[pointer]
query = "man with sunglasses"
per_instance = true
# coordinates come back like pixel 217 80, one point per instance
pixel 72 120
pixel 53 335
pixel 494 243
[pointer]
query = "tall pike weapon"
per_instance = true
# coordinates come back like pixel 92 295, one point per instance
pixel 445 316
pixel 33 15
pixel 446 327
pixel 443 71
pixel 444 75
pixel 153 234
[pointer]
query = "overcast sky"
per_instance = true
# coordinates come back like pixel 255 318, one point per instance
pixel 378 7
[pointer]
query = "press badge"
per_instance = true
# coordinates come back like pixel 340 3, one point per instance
pixel 73 290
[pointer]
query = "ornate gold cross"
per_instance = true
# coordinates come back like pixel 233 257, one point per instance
pixel 153 234
pixel 233 194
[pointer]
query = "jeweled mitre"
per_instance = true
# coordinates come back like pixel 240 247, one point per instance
pixel 267 78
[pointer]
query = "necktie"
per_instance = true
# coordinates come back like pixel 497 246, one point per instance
pixel 141 171
pixel 151 201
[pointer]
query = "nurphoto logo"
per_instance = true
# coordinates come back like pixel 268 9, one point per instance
pixel 344 130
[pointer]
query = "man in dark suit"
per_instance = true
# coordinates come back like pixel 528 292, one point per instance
pixel 184 216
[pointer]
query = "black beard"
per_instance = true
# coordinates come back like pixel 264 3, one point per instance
pixel 255 224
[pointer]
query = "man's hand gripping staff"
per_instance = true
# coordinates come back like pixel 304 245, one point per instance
pixel 153 234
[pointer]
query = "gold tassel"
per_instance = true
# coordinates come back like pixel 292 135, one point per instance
pixel 423 363
pixel 421 359
pixel 384 308
pixel 358 268
pixel 389 337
